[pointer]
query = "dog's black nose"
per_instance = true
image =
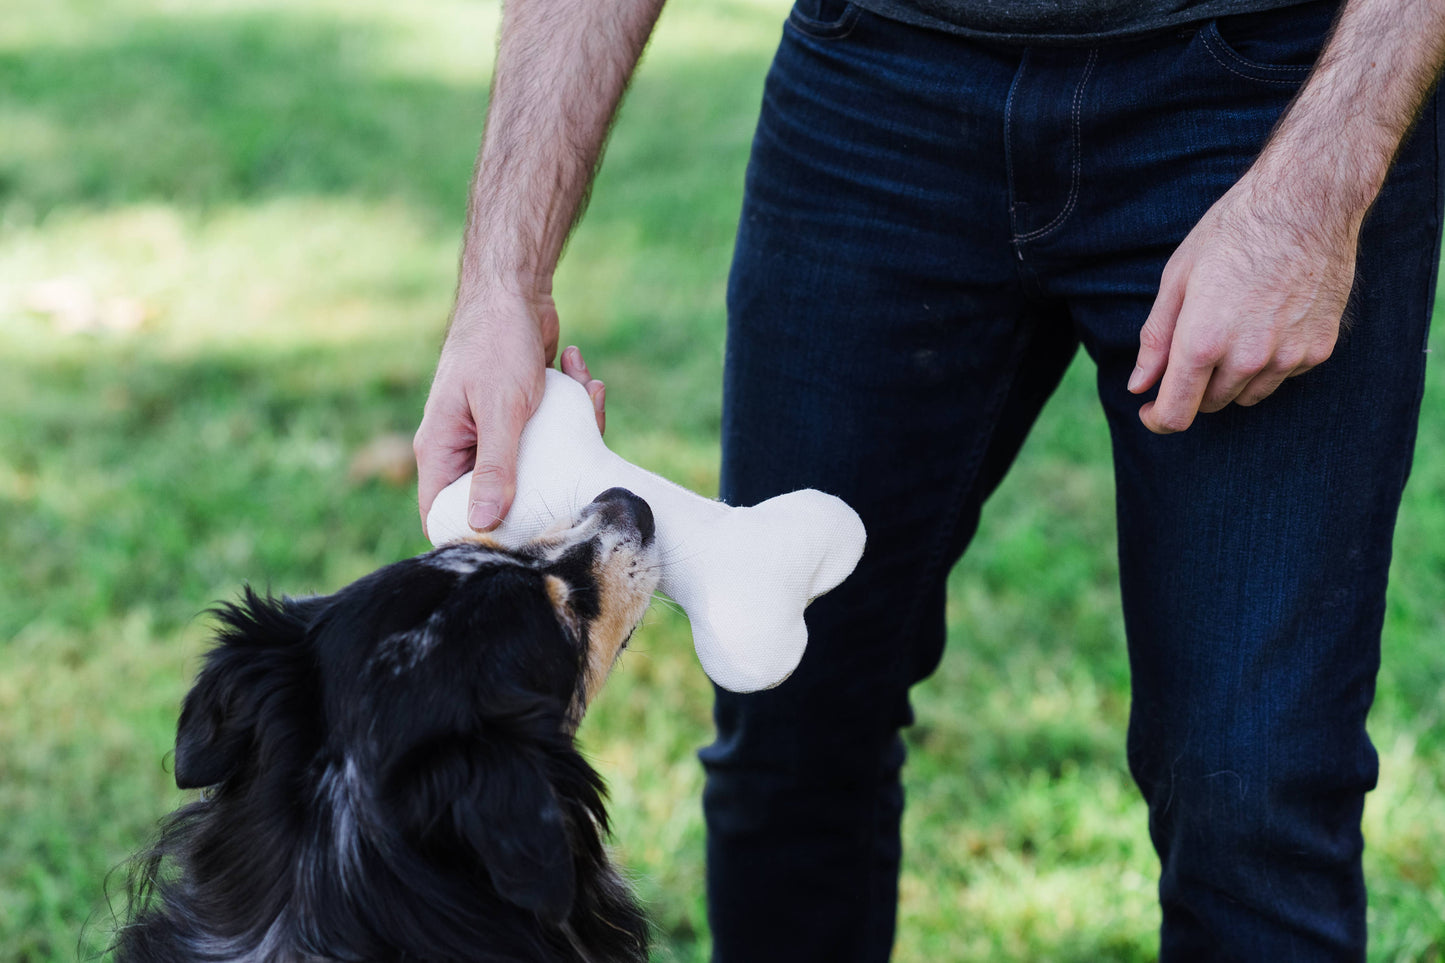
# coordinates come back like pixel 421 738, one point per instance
pixel 618 506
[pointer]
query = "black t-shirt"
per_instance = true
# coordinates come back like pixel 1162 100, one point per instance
pixel 1056 21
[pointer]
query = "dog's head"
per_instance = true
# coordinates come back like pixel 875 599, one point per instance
pixel 402 753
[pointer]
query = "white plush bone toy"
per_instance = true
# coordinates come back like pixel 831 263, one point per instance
pixel 742 575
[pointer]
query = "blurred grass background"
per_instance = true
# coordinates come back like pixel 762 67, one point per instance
pixel 228 233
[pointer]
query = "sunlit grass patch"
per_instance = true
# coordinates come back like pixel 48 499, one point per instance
pixel 228 235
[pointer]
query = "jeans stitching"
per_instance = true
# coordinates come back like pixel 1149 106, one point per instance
pixel 1209 45
pixel 1214 38
pixel 1078 154
pixel 969 475
pixel 1008 161
pixel 823 29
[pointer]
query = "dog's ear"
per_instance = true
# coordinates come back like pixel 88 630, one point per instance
pixel 493 797
pixel 259 656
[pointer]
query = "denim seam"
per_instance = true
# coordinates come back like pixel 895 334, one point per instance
pixel 1209 45
pixel 1214 39
pixel 1433 282
pixel 826 30
pixel 938 554
pixel 1008 161
pixel 1078 155
pixel 969 473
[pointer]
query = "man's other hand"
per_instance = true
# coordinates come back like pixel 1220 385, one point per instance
pixel 1253 296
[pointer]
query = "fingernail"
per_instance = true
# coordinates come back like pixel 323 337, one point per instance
pixel 1137 378
pixel 599 400
pixel 484 515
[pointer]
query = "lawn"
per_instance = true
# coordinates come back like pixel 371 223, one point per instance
pixel 228 234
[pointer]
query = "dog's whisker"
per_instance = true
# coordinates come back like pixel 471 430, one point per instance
pixel 667 603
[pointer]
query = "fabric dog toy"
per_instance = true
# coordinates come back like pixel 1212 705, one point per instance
pixel 742 575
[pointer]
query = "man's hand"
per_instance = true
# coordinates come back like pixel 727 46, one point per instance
pixel 1253 296
pixel 488 383
pixel 1255 293
pixel 562 67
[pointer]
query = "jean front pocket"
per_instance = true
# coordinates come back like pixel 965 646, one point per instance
pixel 1272 47
pixel 824 19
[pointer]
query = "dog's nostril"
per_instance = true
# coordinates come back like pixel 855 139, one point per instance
pixel 618 505
pixel 646 525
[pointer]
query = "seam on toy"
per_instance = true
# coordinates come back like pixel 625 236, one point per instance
pixel 1078 155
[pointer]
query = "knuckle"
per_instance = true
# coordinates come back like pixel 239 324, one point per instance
pixel 1203 350
pixel 504 416
pixel 1173 422
pixel 1258 393
pixel 1251 361
pixel 1176 269
pixel 1288 359
pixel 1152 337
pixel 1200 355
pixel 487 473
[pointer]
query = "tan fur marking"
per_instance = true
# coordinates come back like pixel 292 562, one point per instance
pixel 625 596
pixel 559 593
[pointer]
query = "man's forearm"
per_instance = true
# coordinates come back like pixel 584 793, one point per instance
pixel 1335 144
pixel 1255 293
pixel 562 67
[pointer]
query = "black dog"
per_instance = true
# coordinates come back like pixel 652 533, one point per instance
pixel 389 771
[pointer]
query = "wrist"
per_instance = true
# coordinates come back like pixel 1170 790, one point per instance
pixel 1312 190
pixel 488 277
pixel 509 312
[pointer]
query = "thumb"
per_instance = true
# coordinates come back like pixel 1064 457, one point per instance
pixel 494 479
pixel 1157 334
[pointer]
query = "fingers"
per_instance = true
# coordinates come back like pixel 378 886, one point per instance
pixel 575 368
pixel 1286 364
pixel 1180 365
pixel 494 476
pixel 599 405
pixel 1157 334
pixel 1228 380
pixel 437 466
pixel 1261 387
pixel 476 427
pixel 1180 394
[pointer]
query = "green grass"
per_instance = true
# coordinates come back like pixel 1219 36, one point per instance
pixel 275 189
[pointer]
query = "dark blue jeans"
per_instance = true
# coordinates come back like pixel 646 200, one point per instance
pixel 931 227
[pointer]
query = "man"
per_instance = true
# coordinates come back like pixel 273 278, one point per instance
pixel 945 198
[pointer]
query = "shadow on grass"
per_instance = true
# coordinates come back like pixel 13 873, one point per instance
pixel 240 108
pixel 146 482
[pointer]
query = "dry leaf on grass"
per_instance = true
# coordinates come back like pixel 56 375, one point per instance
pixel 73 307
pixel 387 457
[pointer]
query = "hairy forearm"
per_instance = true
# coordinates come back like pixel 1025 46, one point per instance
pixel 562 67
pixel 1333 147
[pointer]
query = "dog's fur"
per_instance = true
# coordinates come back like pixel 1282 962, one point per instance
pixel 389 771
